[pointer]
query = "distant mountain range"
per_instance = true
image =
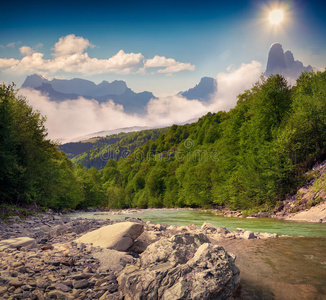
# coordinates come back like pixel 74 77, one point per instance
pixel 284 63
pixel 202 91
pixel 105 133
pixel 118 91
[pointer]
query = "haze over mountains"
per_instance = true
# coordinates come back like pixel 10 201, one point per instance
pixel 62 89
pixel 117 91
pixel 72 116
pixel 284 63
pixel 203 91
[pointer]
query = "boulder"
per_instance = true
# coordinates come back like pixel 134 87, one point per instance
pixel 248 235
pixel 208 226
pixel 185 266
pixel 222 231
pixel 265 235
pixel 25 242
pixel 112 260
pixel 119 236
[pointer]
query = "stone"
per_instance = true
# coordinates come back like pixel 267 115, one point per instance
pixel 248 235
pixel 81 276
pixel 56 294
pixel 208 226
pixel 112 260
pixel 88 270
pixel 26 242
pixel 42 283
pixel 17 264
pixel 185 266
pixel 16 283
pixel 38 294
pixel 192 227
pixel 119 236
pixel 222 230
pixel 80 284
pixel 47 247
pixel 265 235
pixel 3 290
pixel 63 287
pixel 68 261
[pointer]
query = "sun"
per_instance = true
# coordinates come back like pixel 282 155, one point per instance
pixel 276 16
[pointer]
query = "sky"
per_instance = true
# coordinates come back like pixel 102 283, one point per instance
pixel 160 46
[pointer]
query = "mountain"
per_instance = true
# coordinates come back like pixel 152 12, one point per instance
pixel 284 63
pixel 118 91
pixel 202 91
pixel 46 88
pixel 105 133
pixel 96 152
pixel 34 81
pixel 77 86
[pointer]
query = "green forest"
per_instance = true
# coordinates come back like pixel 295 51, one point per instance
pixel 97 151
pixel 252 156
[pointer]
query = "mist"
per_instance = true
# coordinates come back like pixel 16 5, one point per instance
pixel 70 119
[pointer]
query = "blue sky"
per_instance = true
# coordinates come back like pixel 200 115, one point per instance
pixel 190 39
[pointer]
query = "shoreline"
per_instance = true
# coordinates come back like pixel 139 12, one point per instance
pixel 58 266
pixel 41 256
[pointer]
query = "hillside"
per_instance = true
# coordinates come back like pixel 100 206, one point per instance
pixel 252 156
pixel 97 152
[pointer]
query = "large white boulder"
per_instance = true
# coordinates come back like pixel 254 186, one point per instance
pixel 119 236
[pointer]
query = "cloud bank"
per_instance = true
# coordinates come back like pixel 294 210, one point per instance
pixel 74 118
pixel 70 56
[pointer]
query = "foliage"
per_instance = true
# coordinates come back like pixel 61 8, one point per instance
pixel 98 153
pixel 252 156
pixel 248 158
pixel 32 169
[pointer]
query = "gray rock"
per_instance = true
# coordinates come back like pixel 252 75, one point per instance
pixel 25 242
pixel 248 235
pixel 208 226
pixel 63 287
pixel 80 284
pixel 112 260
pixel 118 236
pixel 222 231
pixel 3 290
pixel 185 266
pixel 56 294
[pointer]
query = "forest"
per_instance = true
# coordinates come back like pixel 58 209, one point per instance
pixel 252 156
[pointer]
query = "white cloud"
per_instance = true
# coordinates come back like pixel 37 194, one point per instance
pixel 11 45
pixel 71 44
pixel 26 51
pixel 8 63
pixel 70 56
pixel 169 65
pixel 74 118
pixel 231 84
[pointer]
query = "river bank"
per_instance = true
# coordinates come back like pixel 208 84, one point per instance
pixel 58 267
pixel 48 262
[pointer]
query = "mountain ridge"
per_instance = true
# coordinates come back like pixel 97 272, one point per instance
pixel 202 91
pixel 284 63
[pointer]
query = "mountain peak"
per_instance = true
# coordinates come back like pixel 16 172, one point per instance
pixel 202 91
pixel 34 81
pixel 284 63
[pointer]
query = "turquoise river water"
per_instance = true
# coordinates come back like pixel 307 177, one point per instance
pixel 291 267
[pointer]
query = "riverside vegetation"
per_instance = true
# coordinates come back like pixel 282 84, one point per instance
pixel 252 156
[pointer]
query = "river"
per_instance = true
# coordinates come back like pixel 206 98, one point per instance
pixel 291 267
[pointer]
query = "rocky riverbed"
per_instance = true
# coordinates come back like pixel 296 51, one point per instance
pixel 45 258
